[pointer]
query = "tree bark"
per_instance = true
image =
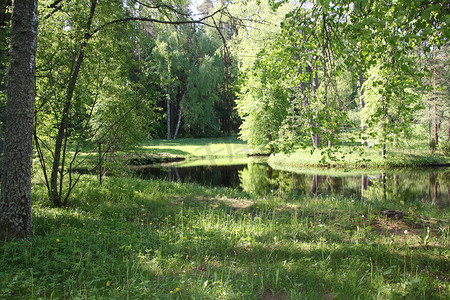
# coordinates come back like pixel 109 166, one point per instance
pixel 179 117
pixel 436 137
pixel 15 203
pixel 169 114
pixel 361 107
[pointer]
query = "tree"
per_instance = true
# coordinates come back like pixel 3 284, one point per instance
pixel 261 98
pixel 80 33
pixel 321 42
pixel 15 203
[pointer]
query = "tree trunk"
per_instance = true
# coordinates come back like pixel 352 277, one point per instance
pixel 227 64
pixel 361 106
pixel 436 138
pixel 15 203
pixel 179 119
pixel 5 18
pixel 169 114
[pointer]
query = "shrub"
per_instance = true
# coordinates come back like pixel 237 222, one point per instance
pixel 444 146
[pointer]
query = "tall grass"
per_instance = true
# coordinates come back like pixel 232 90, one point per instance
pixel 136 239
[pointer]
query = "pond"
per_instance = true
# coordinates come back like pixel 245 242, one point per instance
pixel 258 178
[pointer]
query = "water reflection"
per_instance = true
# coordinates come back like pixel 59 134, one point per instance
pixel 430 186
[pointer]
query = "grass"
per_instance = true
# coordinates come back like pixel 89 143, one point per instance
pixel 412 152
pixel 362 158
pixel 136 239
pixel 196 147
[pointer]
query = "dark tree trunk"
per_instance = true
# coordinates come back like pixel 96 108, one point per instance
pixel 5 17
pixel 15 203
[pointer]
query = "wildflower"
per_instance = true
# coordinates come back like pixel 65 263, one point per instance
pixel 171 292
pixel 142 220
pixel 187 256
pixel 57 240
pixel 196 237
pixel 256 274
pixel 165 218
pixel 405 232
pixel 177 289
pixel 108 284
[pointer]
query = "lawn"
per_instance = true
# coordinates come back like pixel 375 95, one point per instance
pixel 135 239
pixel 196 147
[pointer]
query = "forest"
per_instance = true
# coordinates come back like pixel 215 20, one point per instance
pixel 93 91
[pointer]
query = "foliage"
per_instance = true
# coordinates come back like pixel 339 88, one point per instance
pixel 324 44
pixel 444 146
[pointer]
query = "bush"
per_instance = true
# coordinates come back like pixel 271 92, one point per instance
pixel 444 146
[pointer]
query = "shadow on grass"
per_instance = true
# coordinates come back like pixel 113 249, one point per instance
pixel 162 151
pixel 152 240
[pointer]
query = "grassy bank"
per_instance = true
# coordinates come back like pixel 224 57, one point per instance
pixel 226 150
pixel 196 147
pixel 363 158
pixel 136 239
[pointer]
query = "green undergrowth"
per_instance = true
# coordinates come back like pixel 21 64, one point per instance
pixel 135 239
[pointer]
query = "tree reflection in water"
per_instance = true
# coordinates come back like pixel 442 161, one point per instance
pixel 406 185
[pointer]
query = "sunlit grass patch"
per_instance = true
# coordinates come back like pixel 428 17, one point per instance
pixel 200 147
pixel 360 157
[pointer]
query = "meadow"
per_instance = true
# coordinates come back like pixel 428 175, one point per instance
pixel 141 239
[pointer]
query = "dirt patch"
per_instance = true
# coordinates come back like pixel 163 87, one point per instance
pixel 215 202
pixel 236 203
pixel 277 295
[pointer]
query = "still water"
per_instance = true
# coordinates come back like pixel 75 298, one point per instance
pixel 405 185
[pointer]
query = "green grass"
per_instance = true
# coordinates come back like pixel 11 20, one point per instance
pixel 218 151
pixel 136 239
pixel 362 158
pixel 196 147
